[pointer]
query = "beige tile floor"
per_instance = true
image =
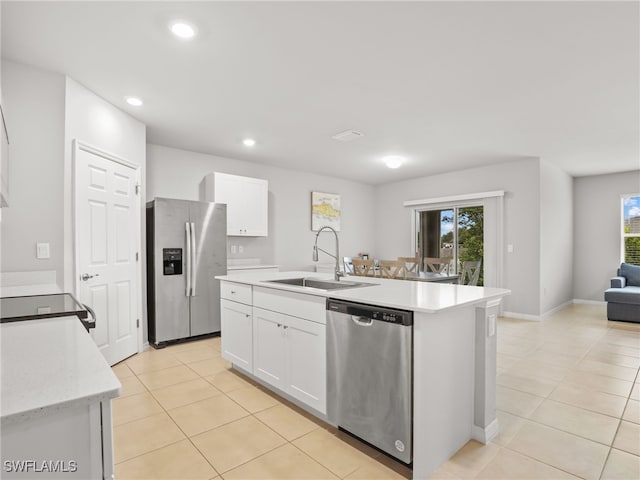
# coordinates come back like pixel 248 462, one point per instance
pixel 568 407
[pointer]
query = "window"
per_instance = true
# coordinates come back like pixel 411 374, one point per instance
pixel 454 234
pixel 631 229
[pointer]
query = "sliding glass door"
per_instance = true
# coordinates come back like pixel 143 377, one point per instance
pixel 454 234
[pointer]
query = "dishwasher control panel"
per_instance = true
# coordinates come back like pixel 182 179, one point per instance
pixel 374 312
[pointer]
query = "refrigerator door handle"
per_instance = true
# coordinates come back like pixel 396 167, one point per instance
pixel 187 227
pixel 194 259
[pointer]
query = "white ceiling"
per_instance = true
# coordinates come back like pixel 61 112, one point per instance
pixel 449 85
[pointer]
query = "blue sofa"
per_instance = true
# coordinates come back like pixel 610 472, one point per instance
pixel 623 298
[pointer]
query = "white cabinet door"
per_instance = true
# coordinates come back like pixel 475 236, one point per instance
pixel 306 361
pixel 268 347
pixel 4 163
pixel 237 333
pixel 290 354
pixel 229 189
pixel 255 211
pixel 246 199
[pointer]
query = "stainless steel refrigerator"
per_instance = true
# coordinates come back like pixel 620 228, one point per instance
pixel 186 249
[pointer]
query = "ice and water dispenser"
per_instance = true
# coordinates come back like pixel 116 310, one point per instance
pixel 172 261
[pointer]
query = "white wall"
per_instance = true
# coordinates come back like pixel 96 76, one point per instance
pixel 93 121
pixel 556 237
pixel 34 111
pixel 520 181
pixel 177 173
pixel 597 230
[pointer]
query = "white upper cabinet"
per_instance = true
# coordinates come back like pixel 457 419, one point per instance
pixel 4 163
pixel 246 199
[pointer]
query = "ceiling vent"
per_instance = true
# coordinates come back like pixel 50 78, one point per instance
pixel 348 135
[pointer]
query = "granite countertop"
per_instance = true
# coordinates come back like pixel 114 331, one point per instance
pixel 50 364
pixel 428 297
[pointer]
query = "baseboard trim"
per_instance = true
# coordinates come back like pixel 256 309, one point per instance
pixel 580 301
pixel 522 316
pixel 538 318
pixel 557 309
pixel 487 434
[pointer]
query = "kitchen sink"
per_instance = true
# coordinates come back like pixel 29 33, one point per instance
pixel 320 284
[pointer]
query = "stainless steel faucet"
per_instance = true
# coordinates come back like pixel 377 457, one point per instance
pixel 338 273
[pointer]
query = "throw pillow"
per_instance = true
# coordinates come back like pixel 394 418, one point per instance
pixel 631 273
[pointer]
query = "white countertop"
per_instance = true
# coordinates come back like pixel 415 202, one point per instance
pixel 35 289
pixel 50 364
pixel 429 297
pixel 250 266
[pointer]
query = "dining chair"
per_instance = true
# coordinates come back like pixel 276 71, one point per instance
pixel 437 265
pixel 391 268
pixel 348 265
pixel 410 263
pixel 470 272
pixel 362 267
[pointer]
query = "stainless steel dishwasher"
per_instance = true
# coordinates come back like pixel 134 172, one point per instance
pixel 370 374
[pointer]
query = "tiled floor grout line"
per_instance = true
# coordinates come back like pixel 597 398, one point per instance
pixel 573 367
pixel 250 414
pixel 602 343
pixel 619 424
pixel 178 426
pixel 538 460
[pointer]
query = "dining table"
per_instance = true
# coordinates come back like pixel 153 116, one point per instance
pixel 420 277
pixel 430 277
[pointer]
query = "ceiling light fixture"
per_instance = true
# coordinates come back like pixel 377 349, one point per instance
pixel 182 29
pixel 134 101
pixel 393 161
pixel 248 142
pixel 348 135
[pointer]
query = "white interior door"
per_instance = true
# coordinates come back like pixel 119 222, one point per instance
pixel 107 237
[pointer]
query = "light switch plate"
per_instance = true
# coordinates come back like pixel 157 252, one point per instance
pixel 510 248
pixel 42 250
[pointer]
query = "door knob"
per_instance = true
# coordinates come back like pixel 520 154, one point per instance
pixel 85 276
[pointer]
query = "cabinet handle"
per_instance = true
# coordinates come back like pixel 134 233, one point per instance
pixel 247 315
pixel 233 292
pixel 286 326
pixel 279 325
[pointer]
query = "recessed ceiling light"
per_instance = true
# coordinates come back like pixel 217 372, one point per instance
pixel 393 161
pixel 182 29
pixel 135 101
pixel 248 142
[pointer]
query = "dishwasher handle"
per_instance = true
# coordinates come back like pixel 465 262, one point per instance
pixel 362 321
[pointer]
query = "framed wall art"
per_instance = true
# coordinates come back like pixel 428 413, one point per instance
pixel 325 211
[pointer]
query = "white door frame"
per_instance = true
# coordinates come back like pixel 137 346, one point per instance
pixel 480 198
pixel 77 146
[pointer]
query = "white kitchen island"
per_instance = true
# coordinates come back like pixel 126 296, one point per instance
pixel 454 350
pixel 55 409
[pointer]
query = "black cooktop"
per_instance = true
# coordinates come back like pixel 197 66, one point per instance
pixel 33 307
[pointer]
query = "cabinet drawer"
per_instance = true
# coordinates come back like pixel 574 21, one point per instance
pixel 238 292
pixel 295 304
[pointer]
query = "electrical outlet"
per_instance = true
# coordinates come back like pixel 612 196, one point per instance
pixel 510 248
pixel 233 249
pixel 491 325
